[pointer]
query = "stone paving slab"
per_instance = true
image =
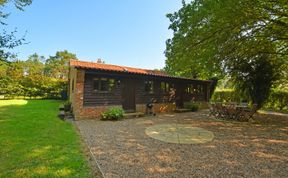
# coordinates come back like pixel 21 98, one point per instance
pixel 179 133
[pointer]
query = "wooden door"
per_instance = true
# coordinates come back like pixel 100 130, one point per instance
pixel 179 96
pixel 128 95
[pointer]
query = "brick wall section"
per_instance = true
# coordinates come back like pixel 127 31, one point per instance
pixel 92 112
pixel 77 102
pixel 72 77
pixel 79 111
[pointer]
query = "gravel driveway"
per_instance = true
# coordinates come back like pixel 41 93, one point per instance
pixel 122 148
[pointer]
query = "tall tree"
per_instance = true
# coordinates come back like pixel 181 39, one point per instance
pixel 230 37
pixel 57 66
pixel 34 65
pixel 8 39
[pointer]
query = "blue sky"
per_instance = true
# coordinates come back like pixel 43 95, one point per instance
pixel 127 32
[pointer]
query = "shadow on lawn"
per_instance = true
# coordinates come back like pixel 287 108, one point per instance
pixel 35 143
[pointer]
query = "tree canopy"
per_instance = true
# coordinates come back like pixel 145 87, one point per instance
pixel 36 76
pixel 57 66
pixel 8 39
pixel 239 38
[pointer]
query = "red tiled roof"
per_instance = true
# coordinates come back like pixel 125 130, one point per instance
pixel 116 68
pixel 109 67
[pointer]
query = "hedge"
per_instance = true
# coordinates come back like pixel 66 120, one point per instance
pixel 226 95
pixel 277 100
pixel 46 89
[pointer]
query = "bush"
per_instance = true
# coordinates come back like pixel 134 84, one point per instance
pixel 113 114
pixel 193 106
pixel 227 95
pixel 278 100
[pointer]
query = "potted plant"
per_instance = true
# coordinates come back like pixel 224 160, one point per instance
pixel 67 106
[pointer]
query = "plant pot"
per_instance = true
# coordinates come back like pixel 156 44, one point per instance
pixel 67 107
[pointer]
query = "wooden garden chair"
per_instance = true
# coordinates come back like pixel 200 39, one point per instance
pixel 246 114
pixel 231 112
pixel 221 110
pixel 212 109
pixel 250 113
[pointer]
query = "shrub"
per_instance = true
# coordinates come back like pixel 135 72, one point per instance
pixel 226 95
pixel 113 114
pixel 278 100
pixel 193 106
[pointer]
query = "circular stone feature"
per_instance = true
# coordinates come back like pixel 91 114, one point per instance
pixel 179 133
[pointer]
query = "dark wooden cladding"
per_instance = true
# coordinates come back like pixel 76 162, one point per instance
pixel 143 97
pixel 93 98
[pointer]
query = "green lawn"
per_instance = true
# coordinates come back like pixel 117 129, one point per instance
pixel 35 143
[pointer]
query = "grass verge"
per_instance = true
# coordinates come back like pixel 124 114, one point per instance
pixel 35 143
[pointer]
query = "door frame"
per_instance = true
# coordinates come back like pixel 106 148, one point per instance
pixel 128 94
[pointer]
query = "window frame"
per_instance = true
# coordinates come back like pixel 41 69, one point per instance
pixel 151 87
pixel 100 81
pixel 190 88
pixel 166 87
pixel 200 89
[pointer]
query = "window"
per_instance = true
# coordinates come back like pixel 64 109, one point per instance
pixel 149 87
pixel 172 86
pixel 103 84
pixel 189 88
pixel 164 87
pixel 200 89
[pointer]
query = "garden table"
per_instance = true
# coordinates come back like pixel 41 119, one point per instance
pixel 232 111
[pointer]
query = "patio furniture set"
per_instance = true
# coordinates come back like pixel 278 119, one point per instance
pixel 233 111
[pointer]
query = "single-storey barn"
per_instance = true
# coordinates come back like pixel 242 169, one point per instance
pixel 94 87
